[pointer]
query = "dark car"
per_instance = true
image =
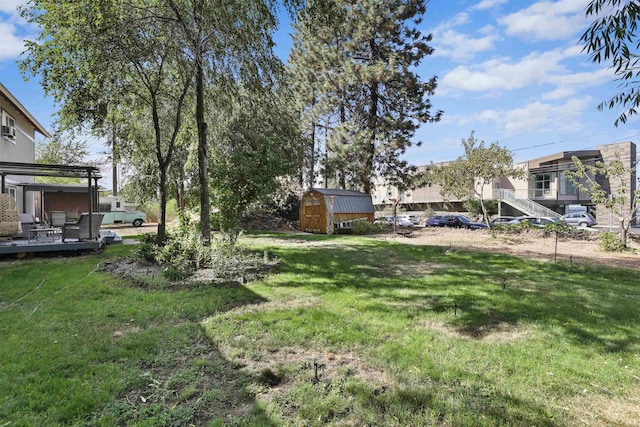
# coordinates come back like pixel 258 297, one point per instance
pixel 435 221
pixel 459 221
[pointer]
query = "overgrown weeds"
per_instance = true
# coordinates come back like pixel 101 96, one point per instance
pixel 184 253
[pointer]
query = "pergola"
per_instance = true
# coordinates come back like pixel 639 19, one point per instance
pixel 90 173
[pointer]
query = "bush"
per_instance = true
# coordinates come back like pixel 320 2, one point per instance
pixel 562 228
pixel 145 251
pixel 361 227
pixel 183 253
pixel 609 242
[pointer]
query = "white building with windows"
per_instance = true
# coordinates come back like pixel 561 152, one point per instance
pixel 544 191
pixel 17 144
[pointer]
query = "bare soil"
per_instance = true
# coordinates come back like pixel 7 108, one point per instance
pixel 530 244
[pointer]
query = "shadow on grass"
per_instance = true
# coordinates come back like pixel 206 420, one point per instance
pixel 481 291
pixel 80 348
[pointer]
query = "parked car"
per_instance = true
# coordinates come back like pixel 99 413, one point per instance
pixel 414 219
pixel 459 221
pixel 536 221
pixel 502 220
pixel 435 221
pixel 120 217
pixel 401 220
pixel 580 219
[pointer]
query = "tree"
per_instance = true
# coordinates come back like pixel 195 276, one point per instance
pixel 225 41
pixel 612 37
pixel 256 144
pixel 99 57
pixel 64 148
pixel 363 85
pixel 607 185
pixel 467 176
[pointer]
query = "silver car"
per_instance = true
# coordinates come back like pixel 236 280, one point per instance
pixel 580 219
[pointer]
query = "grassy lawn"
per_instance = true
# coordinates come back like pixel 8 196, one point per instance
pixel 349 331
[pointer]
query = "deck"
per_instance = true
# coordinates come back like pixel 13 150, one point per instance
pixel 23 246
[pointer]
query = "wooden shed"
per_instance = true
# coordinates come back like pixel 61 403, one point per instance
pixel 324 210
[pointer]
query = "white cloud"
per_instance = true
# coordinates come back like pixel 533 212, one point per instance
pixel 488 4
pixel 500 74
pixel 559 93
pixel 504 74
pixel 547 20
pixel 533 116
pixel 459 46
pixel 586 79
pixel 10 6
pixel 12 44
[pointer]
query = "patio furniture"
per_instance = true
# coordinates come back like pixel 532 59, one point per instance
pixel 44 234
pixel 58 218
pixel 9 219
pixel 80 229
pixel 27 223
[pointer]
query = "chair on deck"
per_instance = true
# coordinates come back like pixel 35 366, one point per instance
pixel 80 229
pixel 58 218
pixel 9 218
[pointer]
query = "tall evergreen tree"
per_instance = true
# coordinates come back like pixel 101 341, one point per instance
pixel 367 87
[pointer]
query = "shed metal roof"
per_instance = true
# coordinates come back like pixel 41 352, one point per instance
pixel 347 201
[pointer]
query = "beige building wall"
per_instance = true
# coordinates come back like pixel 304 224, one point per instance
pixel 626 152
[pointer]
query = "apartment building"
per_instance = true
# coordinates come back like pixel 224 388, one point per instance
pixel 545 185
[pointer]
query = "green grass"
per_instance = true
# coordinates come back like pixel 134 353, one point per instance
pixel 402 335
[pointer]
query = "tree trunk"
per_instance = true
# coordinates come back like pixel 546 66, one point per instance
pixel 162 179
pixel 341 168
pixel 372 123
pixel 624 231
pixel 312 159
pixel 370 149
pixel 162 221
pixel 203 157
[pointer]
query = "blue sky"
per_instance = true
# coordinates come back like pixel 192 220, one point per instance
pixel 513 71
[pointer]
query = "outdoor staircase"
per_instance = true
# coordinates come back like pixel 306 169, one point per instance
pixel 526 206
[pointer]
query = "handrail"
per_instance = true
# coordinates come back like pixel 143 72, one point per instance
pixel 528 206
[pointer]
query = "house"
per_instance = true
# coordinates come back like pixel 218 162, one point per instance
pixel 545 189
pixel 17 145
pixel 18 172
pixel 323 210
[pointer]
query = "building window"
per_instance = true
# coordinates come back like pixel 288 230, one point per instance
pixel 542 184
pixel 8 126
pixel 567 187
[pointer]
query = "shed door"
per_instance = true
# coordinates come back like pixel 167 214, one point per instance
pixel 313 220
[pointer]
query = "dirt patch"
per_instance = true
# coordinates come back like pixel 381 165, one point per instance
pixel 497 333
pixel 413 270
pixel 281 370
pixel 274 306
pixel 599 410
pixel 147 274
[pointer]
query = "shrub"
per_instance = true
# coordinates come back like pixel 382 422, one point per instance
pixel 562 228
pixel 145 251
pixel 183 253
pixel 609 242
pixel 362 226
